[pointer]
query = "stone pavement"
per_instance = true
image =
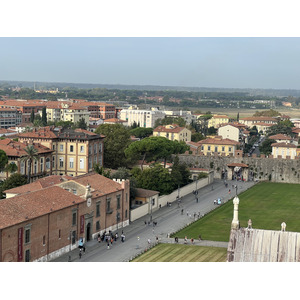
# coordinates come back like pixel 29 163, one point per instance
pixel 169 220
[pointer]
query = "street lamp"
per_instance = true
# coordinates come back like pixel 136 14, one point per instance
pixel 152 203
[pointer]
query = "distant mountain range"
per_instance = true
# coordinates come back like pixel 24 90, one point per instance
pixel 60 85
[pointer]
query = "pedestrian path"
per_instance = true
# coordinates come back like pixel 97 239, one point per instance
pixel 195 242
pixel 169 220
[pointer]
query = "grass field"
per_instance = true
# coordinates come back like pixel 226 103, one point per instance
pixel 183 253
pixel 266 204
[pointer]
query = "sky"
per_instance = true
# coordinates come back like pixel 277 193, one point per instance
pixel 230 62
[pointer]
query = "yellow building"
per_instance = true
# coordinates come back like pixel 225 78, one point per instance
pixel 217 120
pixel 218 145
pixel 283 150
pixel 173 132
pixel 75 151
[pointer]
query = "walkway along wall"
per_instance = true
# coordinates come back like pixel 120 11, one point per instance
pixel 162 200
pixel 263 168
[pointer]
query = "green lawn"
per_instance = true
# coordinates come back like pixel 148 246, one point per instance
pixel 183 253
pixel 266 204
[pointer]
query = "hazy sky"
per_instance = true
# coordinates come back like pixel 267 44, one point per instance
pixel 199 62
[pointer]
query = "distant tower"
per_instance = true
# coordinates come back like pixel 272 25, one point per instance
pixel 34 86
pixel 235 224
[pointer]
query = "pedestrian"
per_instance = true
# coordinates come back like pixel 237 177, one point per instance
pixel 192 240
pixel 116 236
pixel 187 213
pixel 145 222
pixel 199 237
pixel 107 246
pixel 123 237
pixel 99 238
pixel 182 211
pixel 156 238
pixel 111 240
pixel 80 253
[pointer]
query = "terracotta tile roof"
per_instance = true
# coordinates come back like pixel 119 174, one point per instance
pixel 280 137
pixel 99 183
pixel 175 129
pixel 39 184
pixel 238 165
pixel 116 120
pixel 14 148
pixel 218 142
pixel 3 131
pixel 145 193
pixel 220 117
pixel 284 145
pixel 264 124
pixel 24 207
pixel 193 144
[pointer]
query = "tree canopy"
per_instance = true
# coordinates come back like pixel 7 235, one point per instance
pixel 153 149
pixel 117 139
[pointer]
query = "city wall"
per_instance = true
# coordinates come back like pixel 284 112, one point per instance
pixel 163 200
pixel 262 168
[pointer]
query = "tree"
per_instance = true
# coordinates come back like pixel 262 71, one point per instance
pixel 267 113
pixel 283 127
pixel 3 160
pixel 11 168
pixel 31 155
pixel 44 116
pixel 167 120
pixel 154 148
pixel 13 181
pixel 180 173
pixel 266 147
pixel 117 139
pixel 156 178
pixel 81 124
pixel 141 132
pixel 196 137
pixel 101 170
pixel 32 116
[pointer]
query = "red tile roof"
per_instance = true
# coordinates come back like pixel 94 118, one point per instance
pixel 284 145
pixel 24 207
pixel 14 148
pixel 218 142
pixel 175 129
pixel 280 137
pixel 39 184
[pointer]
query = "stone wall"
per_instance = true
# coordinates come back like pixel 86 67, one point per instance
pixel 270 169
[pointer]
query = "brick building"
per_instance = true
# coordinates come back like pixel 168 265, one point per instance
pixel 45 223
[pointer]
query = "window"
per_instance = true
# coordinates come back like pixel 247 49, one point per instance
pixel 126 214
pixel 27 255
pixel 27 234
pixel 81 149
pixel 118 201
pixel 74 218
pixel 81 163
pixel 53 161
pixel 61 148
pixel 42 164
pixel 208 148
pixel 73 237
pixel 108 209
pixel 74 191
pixel 44 240
pixel 98 209
pixel 90 163
pixel 59 233
pixel 53 147
pixel 216 148
pixel 61 162
pixel 47 163
pixel 229 149
pixel 35 167
pixel 97 225
pixel 223 149
pixel 22 170
pixel 202 148
pixel 71 162
pixel 71 148
pixel 95 148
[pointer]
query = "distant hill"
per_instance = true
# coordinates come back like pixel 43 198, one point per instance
pixel 61 85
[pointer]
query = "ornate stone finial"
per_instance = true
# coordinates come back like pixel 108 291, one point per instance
pixel 235 224
pixel 87 191
pixel 249 224
pixel 283 226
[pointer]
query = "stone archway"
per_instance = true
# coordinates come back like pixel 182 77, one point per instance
pixel 238 171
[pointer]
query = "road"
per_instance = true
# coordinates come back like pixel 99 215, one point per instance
pixel 169 220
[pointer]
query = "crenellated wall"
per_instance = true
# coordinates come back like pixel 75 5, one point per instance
pixel 271 169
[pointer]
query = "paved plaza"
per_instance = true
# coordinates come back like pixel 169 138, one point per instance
pixel 169 219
